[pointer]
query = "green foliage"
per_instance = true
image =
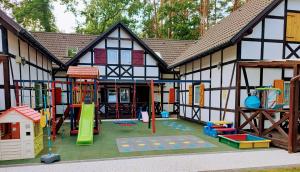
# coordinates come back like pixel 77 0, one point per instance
pixel 72 52
pixel 181 20
pixel 218 10
pixel 34 15
pixel 101 14
pixel 166 19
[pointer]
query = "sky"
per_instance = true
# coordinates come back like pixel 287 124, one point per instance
pixel 65 21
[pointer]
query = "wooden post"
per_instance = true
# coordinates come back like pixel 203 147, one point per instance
pixel 152 107
pixel 294 105
pixel 237 96
pixel 6 78
pixel 53 112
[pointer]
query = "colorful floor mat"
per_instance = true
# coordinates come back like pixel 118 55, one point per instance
pixel 176 126
pixel 138 144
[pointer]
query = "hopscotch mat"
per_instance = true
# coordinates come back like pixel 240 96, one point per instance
pixel 138 144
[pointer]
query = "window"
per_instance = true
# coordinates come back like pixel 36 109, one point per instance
pixel 40 91
pixel 10 131
pixel 126 57
pixel 112 57
pixel 72 52
pixel 38 95
pixel 286 94
pixel 196 94
pixel 100 56
pixel 293 27
pixel 124 95
pixel 111 96
pixel 138 58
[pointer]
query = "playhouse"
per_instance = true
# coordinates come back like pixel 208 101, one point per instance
pixel 21 133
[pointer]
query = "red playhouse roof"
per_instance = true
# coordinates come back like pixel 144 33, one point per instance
pixel 25 111
pixel 83 72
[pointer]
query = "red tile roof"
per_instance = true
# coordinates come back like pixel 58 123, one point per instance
pixel 25 111
pixel 84 72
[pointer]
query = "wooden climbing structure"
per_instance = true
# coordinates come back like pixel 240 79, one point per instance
pixel 279 125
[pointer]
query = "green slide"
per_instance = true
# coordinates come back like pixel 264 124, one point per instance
pixel 86 124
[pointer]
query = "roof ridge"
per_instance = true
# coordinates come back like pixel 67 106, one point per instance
pixel 63 33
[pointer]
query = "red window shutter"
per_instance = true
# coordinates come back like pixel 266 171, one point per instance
pixel 138 58
pixel 100 56
pixel 172 96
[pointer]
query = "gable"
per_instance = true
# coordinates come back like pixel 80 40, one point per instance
pixel 271 38
pixel 120 55
pixel 114 33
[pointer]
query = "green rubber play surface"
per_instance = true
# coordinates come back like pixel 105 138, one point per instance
pixel 105 144
pixel 135 144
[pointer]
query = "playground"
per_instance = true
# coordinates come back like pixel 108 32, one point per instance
pixel 105 144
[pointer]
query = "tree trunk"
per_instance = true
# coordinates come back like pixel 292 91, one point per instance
pixel 204 6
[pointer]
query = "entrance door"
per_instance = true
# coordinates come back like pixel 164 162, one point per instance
pixel 142 96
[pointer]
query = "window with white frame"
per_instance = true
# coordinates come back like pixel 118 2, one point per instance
pixel 112 96
pixel 124 95
pixel 112 56
pixel 126 57
pixel 196 94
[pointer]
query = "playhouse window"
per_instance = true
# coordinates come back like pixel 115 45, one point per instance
pixel 111 96
pixel 112 57
pixel 124 95
pixel 126 57
pixel 10 131
pixel 196 94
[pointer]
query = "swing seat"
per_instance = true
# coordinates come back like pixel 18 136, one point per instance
pixel 164 114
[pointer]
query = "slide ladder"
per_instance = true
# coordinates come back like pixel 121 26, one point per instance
pixel 86 124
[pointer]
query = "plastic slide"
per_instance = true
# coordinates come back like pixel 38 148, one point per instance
pixel 86 124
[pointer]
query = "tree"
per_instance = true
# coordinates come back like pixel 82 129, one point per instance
pixel 203 9
pixel 34 15
pixel 238 3
pixel 100 14
pixel 166 19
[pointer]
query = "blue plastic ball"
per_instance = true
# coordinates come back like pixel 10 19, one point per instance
pixel 252 102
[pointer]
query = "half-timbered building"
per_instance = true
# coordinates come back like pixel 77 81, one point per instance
pixel 123 60
pixel 260 31
pixel 23 63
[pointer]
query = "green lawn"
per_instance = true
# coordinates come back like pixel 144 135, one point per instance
pixel 105 143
